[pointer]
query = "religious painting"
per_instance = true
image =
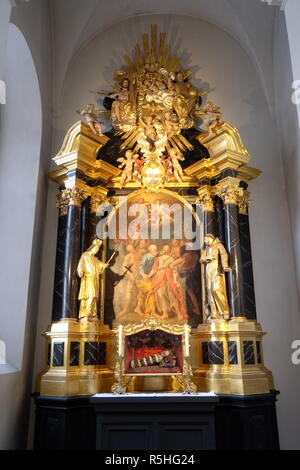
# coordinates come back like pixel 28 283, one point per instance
pixel 156 270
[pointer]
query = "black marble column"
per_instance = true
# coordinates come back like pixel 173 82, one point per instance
pixel 66 283
pixel 209 222
pixel 85 225
pixel 92 227
pixel 59 268
pixel 209 226
pixel 92 219
pixel 72 254
pixel 207 204
pixel 220 223
pixel 247 268
pixel 232 241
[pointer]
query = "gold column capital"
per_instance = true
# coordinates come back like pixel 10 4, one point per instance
pixel 244 202
pixel 69 197
pixel 205 199
pixel 229 191
pixel 98 198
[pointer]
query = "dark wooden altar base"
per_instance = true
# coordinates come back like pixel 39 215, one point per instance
pixel 157 423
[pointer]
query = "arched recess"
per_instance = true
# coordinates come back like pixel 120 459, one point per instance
pixel 250 23
pixel 20 147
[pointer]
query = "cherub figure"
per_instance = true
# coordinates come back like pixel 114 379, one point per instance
pixel 91 118
pixel 175 157
pixel 171 124
pixel 149 130
pixel 214 115
pixel 126 165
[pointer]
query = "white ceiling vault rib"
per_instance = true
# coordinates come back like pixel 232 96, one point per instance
pixel 251 23
pixel 276 3
pixel 15 3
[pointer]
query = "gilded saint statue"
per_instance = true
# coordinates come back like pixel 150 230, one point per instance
pixel 89 270
pixel 214 256
pixel 122 106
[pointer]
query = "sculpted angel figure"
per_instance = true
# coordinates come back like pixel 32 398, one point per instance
pixel 171 123
pixel 175 157
pixel 127 165
pixel 149 130
pixel 91 118
pixel 213 114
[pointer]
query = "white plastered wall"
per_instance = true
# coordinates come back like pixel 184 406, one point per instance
pixel 24 157
pixel 20 145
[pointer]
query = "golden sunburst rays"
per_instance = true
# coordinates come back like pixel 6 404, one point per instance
pixel 130 141
pixel 151 57
pixel 103 112
pixel 180 143
pixel 155 51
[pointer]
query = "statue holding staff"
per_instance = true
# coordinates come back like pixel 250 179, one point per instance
pixel 89 270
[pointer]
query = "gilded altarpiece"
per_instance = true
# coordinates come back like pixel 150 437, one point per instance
pixel 158 206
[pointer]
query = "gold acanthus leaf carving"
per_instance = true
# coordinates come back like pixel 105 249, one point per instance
pixel 69 197
pixel 244 202
pixel 97 200
pixel 230 194
pixel 206 201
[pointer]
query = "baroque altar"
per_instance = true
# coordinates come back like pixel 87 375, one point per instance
pixel 154 288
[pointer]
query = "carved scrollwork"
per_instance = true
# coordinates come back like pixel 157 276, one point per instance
pixel 153 323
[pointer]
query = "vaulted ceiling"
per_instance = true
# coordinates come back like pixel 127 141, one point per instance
pixel 250 22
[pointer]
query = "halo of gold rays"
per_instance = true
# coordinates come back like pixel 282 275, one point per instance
pixel 155 51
